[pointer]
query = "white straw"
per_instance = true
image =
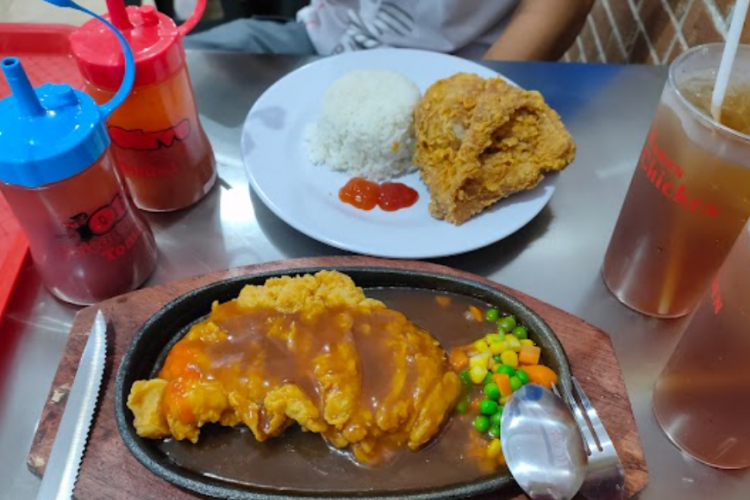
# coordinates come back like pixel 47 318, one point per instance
pixel 727 58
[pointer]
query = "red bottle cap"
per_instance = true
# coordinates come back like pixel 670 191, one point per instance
pixel 155 39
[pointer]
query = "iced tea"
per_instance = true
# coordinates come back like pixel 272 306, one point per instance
pixel 690 194
pixel 702 399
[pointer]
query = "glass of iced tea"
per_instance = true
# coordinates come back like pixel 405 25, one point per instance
pixel 690 194
pixel 702 398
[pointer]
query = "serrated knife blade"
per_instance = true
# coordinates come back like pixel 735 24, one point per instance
pixel 67 452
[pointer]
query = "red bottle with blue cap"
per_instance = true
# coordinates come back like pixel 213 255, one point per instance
pixel 157 137
pixel 57 172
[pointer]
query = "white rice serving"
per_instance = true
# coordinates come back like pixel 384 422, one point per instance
pixel 366 125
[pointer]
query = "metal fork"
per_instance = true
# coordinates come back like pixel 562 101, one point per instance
pixel 605 478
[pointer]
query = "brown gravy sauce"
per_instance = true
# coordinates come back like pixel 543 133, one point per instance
pixel 302 460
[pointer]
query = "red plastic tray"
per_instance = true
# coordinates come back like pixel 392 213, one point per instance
pixel 45 55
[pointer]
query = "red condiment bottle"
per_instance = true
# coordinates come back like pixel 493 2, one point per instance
pixel 157 137
pixel 57 173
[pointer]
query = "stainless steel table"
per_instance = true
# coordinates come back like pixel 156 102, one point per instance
pixel 556 257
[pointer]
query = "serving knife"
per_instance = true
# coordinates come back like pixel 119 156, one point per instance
pixel 67 452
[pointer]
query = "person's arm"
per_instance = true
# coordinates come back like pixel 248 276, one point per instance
pixel 540 30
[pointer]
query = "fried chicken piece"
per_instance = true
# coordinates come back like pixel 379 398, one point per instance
pixel 145 400
pixel 310 350
pixel 332 370
pixel 479 141
pixel 192 404
pixel 289 404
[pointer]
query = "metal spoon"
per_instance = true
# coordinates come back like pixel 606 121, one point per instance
pixel 542 445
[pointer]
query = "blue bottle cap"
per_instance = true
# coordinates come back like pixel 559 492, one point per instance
pixel 53 132
pixel 46 134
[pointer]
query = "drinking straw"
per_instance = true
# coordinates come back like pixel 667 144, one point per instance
pixel 727 58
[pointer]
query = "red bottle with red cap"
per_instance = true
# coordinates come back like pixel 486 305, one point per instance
pixel 157 138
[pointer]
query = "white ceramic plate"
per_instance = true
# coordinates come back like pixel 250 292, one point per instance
pixel 305 196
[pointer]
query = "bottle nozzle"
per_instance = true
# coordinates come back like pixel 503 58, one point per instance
pixel 20 86
pixel 119 15
pixel 200 7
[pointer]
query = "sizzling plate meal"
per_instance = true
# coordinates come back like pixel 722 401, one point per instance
pixel 315 352
pixel 474 141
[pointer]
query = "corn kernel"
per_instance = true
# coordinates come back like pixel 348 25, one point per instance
pixel 504 400
pixel 481 359
pixel 477 374
pixel 494 448
pixel 480 346
pixel 494 365
pixel 499 347
pixel 527 342
pixel 509 358
pixel 513 343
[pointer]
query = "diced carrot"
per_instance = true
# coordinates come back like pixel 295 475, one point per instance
pixel 458 359
pixel 474 405
pixel 529 355
pixel 542 375
pixel 443 300
pixel 476 313
pixel 503 383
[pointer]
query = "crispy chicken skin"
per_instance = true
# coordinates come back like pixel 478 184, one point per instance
pixel 310 350
pixel 481 140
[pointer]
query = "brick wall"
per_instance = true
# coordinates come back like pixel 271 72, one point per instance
pixel 650 31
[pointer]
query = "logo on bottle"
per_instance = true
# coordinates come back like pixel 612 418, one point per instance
pixel 106 231
pixel 142 140
pixel 664 174
pixel 100 222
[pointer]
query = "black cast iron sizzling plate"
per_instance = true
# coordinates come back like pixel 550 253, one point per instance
pixel 151 343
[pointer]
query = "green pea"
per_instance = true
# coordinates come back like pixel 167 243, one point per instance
pixel 508 370
pixel 462 406
pixel 481 423
pixel 488 407
pixel 515 383
pixel 497 358
pixel 492 314
pixel 492 391
pixel 507 323
pixel 488 377
pixel 522 376
pixel 497 418
pixel 520 332
pixel 494 431
pixel 465 377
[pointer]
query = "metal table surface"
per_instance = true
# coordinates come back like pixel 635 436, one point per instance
pixel 555 258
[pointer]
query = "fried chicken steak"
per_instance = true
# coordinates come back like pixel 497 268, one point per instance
pixel 310 350
pixel 481 140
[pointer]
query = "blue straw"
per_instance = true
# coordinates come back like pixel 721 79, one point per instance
pixel 127 81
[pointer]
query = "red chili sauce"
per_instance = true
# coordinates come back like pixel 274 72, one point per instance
pixel 389 196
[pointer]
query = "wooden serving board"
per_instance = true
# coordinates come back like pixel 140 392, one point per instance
pixel 110 471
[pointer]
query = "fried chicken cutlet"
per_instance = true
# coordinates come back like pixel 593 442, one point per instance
pixel 310 350
pixel 481 140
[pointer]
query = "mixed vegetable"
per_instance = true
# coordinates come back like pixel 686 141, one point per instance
pixel 492 368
